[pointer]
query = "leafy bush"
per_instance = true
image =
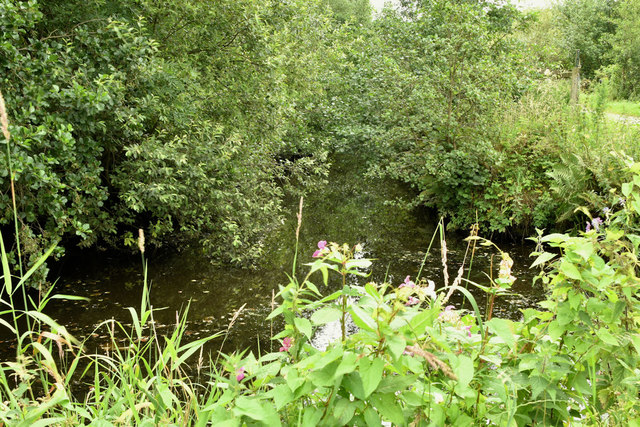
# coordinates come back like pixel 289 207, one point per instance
pixel 119 122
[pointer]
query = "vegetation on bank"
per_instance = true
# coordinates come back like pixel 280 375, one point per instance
pixel 195 122
pixel 415 359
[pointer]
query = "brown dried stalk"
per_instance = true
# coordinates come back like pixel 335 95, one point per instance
pixel 4 119
pixel 299 216
pixel 432 360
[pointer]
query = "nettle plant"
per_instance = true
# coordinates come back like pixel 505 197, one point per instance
pixel 415 360
pixel 396 366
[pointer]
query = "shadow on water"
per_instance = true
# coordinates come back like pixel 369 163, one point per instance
pixel 347 210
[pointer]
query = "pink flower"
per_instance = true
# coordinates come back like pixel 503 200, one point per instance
pixel 322 248
pixel 447 313
pixel 286 344
pixel 408 283
pixel 412 301
pixel 468 328
pixel 239 374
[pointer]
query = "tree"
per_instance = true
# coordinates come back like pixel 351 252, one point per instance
pixel 452 64
pixel 625 52
pixel 586 25
pixel 358 11
pixel 188 120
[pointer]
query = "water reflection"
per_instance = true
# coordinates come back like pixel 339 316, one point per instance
pixel 348 210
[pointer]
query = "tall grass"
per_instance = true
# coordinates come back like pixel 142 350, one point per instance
pixel 56 379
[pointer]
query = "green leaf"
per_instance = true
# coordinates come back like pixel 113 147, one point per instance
pixel 504 329
pixel 35 266
pixel 538 385
pixel 421 321
pixel 463 369
pixel 371 290
pixel 542 258
pixel 293 380
pixel 606 336
pixel 326 315
pixel 362 319
pixel 570 270
pixel 325 377
pixel 30 418
pixel 635 340
pixel 353 384
pixel 583 247
pixel 252 408
pixel 347 364
pixel 394 383
pixel 304 326
pixel 556 330
pixel 343 411
pixel 358 263
pixel 6 271
pixel 371 417
pixel 396 345
pixel 626 188
pixel 282 396
pixel 371 374
pixel 387 406
pixel 554 238
pixel 311 416
pixel 275 312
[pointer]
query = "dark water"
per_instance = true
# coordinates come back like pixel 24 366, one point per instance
pixel 348 210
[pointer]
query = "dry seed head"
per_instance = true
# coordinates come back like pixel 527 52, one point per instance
pixel 141 240
pixel 235 316
pixel 4 119
pixel 443 255
pixel 299 215
pixel 432 360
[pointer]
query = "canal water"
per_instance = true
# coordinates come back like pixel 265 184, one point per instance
pixel 347 210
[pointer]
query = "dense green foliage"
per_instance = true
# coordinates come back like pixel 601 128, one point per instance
pixel 586 26
pixel 139 117
pixel 413 360
pixel 194 122
pixel 606 34
pixel 625 68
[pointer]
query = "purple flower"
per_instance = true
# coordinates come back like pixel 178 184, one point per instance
pixel 239 374
pixel 622 201
pixel 286 344
pixel 606 210
pixel 588 229
pixel 322 248
pixel 408 283
pixel 597 222
pixel 412 301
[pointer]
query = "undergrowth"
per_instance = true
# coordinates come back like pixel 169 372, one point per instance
pixel 415 359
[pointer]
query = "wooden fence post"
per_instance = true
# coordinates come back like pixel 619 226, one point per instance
pixel 575 80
